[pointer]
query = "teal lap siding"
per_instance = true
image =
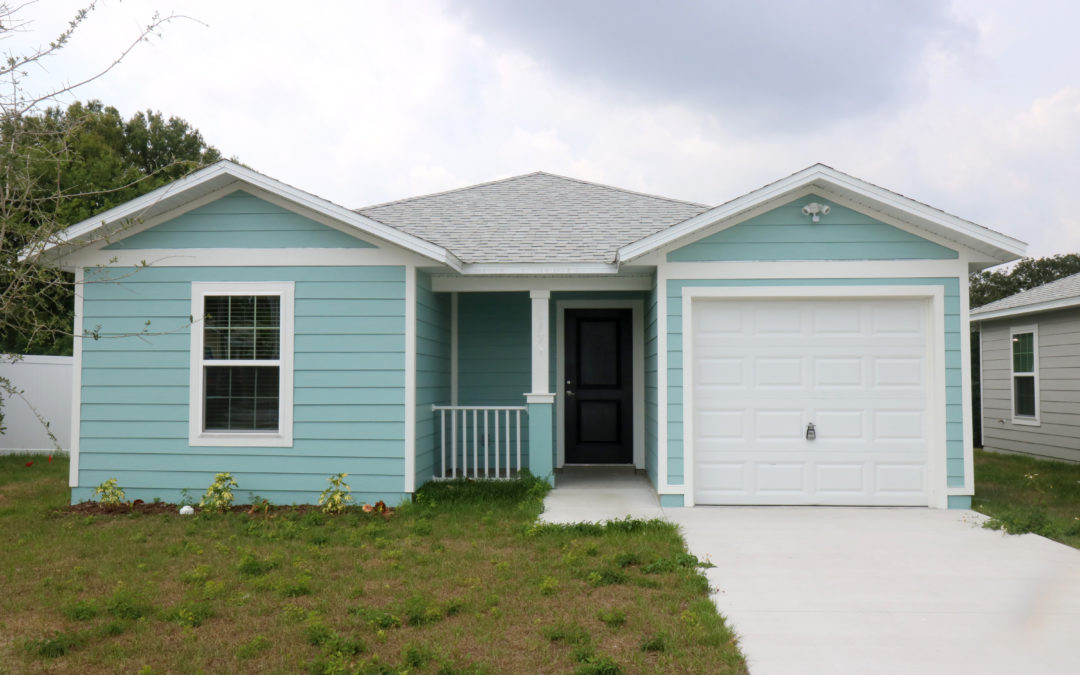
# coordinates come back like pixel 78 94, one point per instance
pixel 239 220
pixel 784 233
pixel 432 374
pixel 349 384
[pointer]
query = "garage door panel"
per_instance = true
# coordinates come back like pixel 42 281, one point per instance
pixel 855 368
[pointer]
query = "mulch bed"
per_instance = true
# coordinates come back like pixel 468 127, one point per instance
pixel 139 506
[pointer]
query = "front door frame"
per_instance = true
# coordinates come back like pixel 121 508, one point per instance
pixel 637 328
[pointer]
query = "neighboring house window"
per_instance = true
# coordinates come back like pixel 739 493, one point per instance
pixel 241 364
pixel 1025 377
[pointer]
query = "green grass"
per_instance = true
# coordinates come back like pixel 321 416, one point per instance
pixel 463 581
pixel 1024 494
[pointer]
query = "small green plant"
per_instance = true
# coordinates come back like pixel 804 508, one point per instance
pixel 83 610
pixel 253 647
pixel 127 604
pixel 53 646
pixel 613 618
pixel 335 498
pixel 548 586
pixel 109 493
pixel 654 643
pixel 599 665
pixel 219 495
pixel 416 656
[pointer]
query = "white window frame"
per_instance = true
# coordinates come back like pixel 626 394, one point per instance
pixel 283 437
pixel 1013 332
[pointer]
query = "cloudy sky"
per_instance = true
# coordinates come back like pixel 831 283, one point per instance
pixel 972 106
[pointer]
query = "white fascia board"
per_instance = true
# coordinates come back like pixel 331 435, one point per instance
pixel 175 190
pixel 543 269
pixel 454 284
pixel 1063 303
pixel 824 178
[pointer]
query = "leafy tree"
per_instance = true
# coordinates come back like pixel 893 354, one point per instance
pixel 62 164
pixel 990 285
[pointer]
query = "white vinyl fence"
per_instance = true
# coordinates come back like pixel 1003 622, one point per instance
pixel 45 383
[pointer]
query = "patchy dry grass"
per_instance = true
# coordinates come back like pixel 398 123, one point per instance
pixel 464 581
pixel 1024 494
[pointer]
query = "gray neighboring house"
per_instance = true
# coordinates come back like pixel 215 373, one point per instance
pixel 1029 346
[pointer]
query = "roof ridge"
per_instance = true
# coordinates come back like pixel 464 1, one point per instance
pixel 623 190
pixel 527 175
pixel 448 192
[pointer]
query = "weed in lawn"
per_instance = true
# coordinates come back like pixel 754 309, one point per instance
pixel 420 610
pixel 599 665
pixel 55 645
pixel 376 618
pixel 627 559
pixel 190 614
pixel 82 610
pixel 605 577
pixel 126 603
pixel 199 575
pixel 253 647
pixel 655 643
pixel 251 565
pixel 568 633
pixel 613 618
pixel 417 655
pixel 548 586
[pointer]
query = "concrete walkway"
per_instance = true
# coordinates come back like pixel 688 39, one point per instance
pixel 866 590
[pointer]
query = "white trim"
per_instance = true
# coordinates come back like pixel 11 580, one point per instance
pixel 222 175
pixel 410 378
pixel 1063 303
pixel 283 438
pixel 466 284
pixel 966 407
pixel 827 180
pixel 247 257
pixel 1025 421
pixel 937 478
pixel 540 398
pixel 519 269
pixel 637 322
pixel 817 269
pixel 541 336
pixel 982 392
pixel 662 459
pixel 453 349
pixel 76 378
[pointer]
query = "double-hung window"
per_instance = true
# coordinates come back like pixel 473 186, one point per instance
pixel 241 364
pixel 1024 341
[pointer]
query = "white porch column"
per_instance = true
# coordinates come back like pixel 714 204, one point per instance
pixel 541 400
pixel 541 340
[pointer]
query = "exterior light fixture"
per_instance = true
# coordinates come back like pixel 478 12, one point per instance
pixel 816 211
pixel 811 433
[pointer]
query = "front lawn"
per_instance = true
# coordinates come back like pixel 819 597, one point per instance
pixel 1024 494
pixel 464 581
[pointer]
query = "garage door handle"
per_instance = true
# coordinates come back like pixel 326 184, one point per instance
pixel 811 433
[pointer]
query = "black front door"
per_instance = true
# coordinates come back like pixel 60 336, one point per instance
pixel 599 389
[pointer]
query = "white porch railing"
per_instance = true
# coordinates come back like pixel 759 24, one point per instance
pixel 483 441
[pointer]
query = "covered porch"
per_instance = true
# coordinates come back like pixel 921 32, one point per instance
pixel 536 378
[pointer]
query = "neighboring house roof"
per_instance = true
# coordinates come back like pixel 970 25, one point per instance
pixel 534 218
pixel 1059 294
pixel 828 182
pixel 225 176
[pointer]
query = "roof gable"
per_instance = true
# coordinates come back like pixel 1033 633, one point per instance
pixel 239 220
pixel 223 177
pixel 787 233
pixel 534 218
pixel 987 246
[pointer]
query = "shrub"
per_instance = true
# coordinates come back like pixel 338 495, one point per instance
pixel 219 495
pixel 335 498
pixel 109 493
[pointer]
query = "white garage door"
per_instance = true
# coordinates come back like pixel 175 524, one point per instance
pixel 765 369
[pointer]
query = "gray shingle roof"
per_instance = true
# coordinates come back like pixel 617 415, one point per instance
pixel 534 218
pixel 1062 289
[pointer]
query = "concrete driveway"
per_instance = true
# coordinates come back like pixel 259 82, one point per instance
pixel 871 590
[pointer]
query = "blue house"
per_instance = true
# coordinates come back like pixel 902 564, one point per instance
pixel 806 343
